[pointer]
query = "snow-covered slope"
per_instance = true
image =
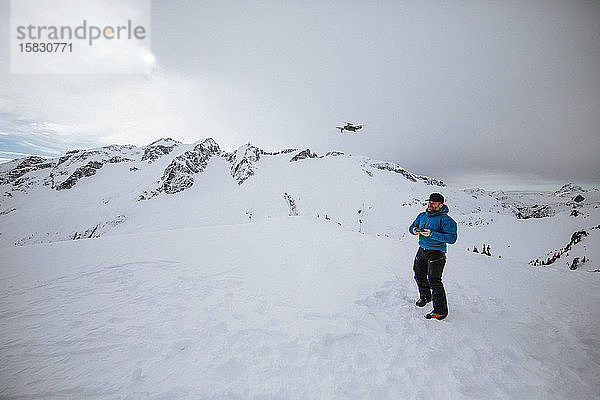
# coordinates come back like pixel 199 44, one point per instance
pixel 167 185
pixel 290 307
pixel 284 274
pixel 119 189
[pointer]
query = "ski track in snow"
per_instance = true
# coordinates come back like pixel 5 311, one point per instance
pixel 285 309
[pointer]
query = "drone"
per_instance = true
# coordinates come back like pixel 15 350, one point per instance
pixel 349 127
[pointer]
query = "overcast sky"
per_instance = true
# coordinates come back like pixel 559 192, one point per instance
pixel 501 94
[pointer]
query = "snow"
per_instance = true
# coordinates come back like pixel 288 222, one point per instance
pixel 286 308
pixel 216 293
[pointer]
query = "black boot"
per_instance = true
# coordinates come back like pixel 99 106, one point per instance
pixel 422 302
pixel 435 315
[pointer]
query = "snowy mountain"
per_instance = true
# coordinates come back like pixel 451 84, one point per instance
pixel 569 190
pixel 120 189
pixel 116 190
pixel 284 274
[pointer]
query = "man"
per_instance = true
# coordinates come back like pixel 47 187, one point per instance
pixel 435 228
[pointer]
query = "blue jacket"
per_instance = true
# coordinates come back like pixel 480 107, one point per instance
pixel 442 226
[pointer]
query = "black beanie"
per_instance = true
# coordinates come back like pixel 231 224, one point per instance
pixel 436 197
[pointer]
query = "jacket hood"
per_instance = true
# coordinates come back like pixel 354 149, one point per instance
pixel 444 210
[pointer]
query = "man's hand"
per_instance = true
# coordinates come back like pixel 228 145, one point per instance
pixel 416 230
pixel 425 232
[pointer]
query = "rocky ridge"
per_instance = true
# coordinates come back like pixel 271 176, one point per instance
pixel 388 166
pixel 525 205
pixel 159 148
pixel 22 167
pixel 574 252
pixel 179 174
pixel 68 170
pixel 291 182
pixel 570 190
pixel 243 162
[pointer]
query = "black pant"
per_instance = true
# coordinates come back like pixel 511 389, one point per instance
pixel 428 267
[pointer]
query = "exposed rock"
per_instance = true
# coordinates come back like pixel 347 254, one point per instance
pixel 244 158
pixel 579 198
pixel 148 195
pixel 118 159
pixel 574 264
pixel 243 167
pixel 576 237
pixel 536 211
pixel 76 164
pixel 70 154
pixel 30 162
pixel 87 170
pixel 309 154
pixel 291 205
pixel 164 142
pixel 27 164
pixel 155 152
pixel 304 154
pixel 178 175
pixel 569 189
pixel 95 231
pixel 159 148
pixel 388 166
pixel 230 157
pixel 106 153
pixel 7 211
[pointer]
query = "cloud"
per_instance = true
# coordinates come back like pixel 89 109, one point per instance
pixel 471 92
pixel 132 109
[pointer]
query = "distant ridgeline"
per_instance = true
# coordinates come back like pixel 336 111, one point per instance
pixel 88 193
pixel 572 261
